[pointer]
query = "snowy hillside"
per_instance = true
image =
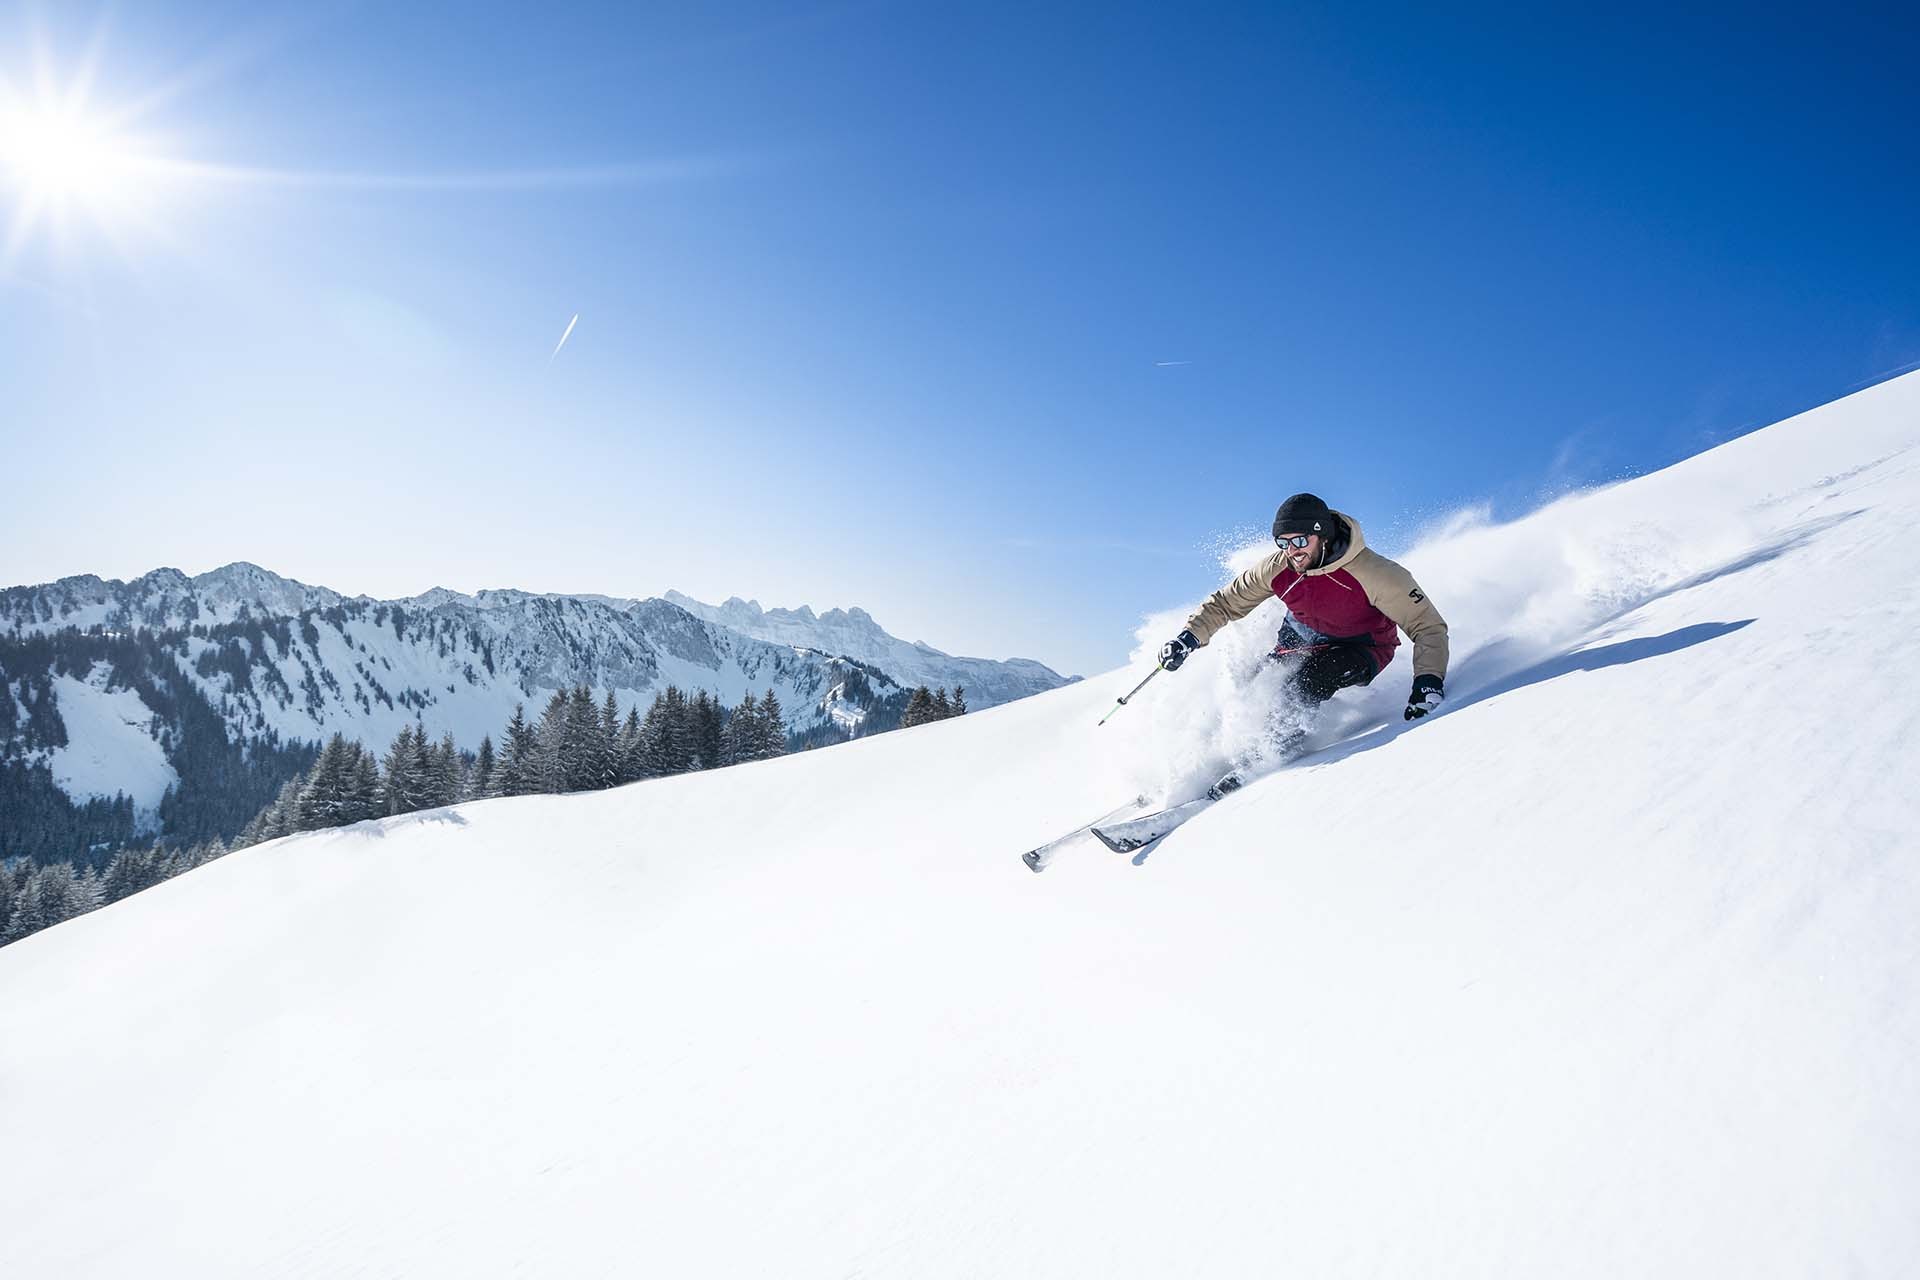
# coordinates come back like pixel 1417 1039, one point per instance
pixel 1609 970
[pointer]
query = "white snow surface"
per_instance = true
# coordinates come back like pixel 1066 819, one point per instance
pixel 1608 970
pixel 110 744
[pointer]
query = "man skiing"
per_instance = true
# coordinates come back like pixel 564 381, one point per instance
pixel 1347 606
pixel 1345 600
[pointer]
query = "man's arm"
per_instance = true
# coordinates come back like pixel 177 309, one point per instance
pixel 1392 590
pixel 1237 599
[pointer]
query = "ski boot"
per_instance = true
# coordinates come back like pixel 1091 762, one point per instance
pixel 1232 782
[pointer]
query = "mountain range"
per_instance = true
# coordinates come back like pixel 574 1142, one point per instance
pixel 281 662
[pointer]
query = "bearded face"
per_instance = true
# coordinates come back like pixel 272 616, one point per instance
pixel 1300 559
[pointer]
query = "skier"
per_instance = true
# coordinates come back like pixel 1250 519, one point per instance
pixel 1345 601
pixel 1346 604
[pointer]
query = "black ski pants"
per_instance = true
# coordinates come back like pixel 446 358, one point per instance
pixel 1324 667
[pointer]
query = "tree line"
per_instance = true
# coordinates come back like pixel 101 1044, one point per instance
pixel 925 706
pixel 576 745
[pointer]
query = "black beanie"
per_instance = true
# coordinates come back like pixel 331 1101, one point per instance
pixel 1303 513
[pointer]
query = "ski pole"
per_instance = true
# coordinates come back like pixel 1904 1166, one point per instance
pixel 1137 688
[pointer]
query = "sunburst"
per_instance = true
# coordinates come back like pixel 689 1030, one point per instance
pixel 69 164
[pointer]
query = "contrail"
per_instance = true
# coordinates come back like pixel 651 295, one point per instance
pixel 1168 364
pixel 563 339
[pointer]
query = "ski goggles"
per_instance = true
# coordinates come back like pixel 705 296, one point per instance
pixel 1297 541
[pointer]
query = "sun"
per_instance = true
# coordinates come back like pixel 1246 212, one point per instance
pixel 63 157
pixel 65 164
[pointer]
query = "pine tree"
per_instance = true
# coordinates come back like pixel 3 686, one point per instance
pixel 425 767
pixel 130 871
pixel 408 771
pixel 609 745
pixel 282 817
pixel 919 708
pixel 584 746
pixel 87 894
pixel 772 727
pixel 445 773
pixel 942 709
pixel 656 748
pixel 251 834
pixel 740 737
pixel 959 700
pixel 706 720
pixel 396 772
pixel 631 766
pixel 482 784
pixel 44 900
pixel 518 772
pixel 364 797
pixel 10 884
pixel 325 800
pixel 552 755
pixel 676 733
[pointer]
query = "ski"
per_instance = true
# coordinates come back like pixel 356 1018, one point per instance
pixel 1126 837
pixel 1038 858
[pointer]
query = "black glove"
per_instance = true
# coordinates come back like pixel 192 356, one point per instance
pixel 1175 651
pixel 1425 698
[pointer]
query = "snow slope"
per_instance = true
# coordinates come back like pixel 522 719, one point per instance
pixel 110 747
pixel 1609 970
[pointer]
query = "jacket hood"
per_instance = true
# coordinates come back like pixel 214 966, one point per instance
pixel 1356 543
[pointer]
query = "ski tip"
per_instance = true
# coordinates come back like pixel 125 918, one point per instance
pixel 1032 859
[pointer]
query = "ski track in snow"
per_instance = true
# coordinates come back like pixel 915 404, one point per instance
pixel 1608 970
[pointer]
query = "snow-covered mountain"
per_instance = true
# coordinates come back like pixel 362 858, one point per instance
pixel 163 599
pixel 1607 970
pixel 854 633
pixel 300 663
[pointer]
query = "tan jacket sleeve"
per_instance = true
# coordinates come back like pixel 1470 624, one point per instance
pixel 1237 599
pixel 1392 590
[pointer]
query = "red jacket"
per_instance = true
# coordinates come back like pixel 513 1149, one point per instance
pixel 1336 605
pixel 1360 595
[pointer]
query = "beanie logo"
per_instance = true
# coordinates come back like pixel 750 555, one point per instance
pixel 1416 595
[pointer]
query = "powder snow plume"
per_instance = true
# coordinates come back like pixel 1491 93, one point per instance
pixel 1512 593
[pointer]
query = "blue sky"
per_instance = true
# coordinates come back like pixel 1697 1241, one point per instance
pixel 874 298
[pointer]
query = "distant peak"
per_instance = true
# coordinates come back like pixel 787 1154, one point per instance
pixel 434 597
pixel 240 571
pixel 738 612
pixel 75 582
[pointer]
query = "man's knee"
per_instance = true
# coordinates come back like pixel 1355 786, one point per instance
pixel 1330 670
